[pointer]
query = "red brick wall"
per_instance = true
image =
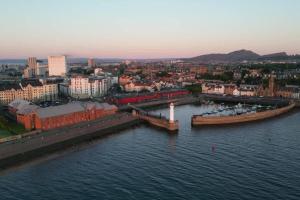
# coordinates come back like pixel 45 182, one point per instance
pixel 229 90
pixel 64 120
pixel 26 120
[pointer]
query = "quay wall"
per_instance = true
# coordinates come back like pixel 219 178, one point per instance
pixel 218 120
pixel 24 149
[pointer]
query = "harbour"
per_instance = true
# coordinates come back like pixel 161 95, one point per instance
pixel 22 148
pixel 149 100
pixel 198 161
pixel 240 117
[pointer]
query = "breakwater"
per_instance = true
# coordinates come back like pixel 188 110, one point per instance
pixel 160 122
pixel 26 148
pixel 219 120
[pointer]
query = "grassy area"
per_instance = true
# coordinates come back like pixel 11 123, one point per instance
pixel 9 128
pixel 4 133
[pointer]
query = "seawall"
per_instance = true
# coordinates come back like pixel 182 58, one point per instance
pixel 25 149
pixel 219 120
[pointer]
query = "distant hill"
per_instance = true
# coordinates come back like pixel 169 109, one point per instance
pixel 275 56
pixel 240 56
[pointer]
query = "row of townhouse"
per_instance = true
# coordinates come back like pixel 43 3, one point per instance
pixel 229 89
pixel 289 91
pixel 28 89
pixel 138 87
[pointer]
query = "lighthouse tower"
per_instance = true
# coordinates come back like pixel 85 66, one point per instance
pixel 171 113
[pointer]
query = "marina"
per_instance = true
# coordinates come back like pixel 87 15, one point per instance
pixel 142 149
pixel 239 114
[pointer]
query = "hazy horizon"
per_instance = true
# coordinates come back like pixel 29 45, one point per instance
pixel 140 29
pixel 154 58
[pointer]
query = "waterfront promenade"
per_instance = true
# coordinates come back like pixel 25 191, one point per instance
pixel 26 148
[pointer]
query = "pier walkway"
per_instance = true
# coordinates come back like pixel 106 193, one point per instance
pixel 159 121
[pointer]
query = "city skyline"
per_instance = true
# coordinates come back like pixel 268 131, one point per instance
pixel 147 29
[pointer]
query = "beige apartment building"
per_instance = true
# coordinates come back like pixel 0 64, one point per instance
pixel 30 90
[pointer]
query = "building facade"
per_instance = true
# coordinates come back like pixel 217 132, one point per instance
pixel 213 88
pixel 30 90
pixel 57 65
pixel 34 117
pixel 42 70
pixel 32 62
pixel 199 70
pixel 91 62
pixel 86 87
pixel 138 87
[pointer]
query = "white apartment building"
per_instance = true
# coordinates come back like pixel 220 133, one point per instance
pixel 86 87
pixel 57 65
pixel 41 70
pixel 213 88
pixel 138 87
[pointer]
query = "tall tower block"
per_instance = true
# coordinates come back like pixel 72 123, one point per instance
pixel 171 113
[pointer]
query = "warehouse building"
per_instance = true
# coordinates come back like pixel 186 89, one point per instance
pixel 34 117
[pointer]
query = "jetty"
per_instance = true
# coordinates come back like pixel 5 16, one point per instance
pixel 155 120
pixel 198 120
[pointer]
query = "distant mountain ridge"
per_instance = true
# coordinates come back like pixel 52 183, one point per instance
pixel 240 56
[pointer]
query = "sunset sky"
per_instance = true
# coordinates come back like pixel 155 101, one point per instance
pixel 147 28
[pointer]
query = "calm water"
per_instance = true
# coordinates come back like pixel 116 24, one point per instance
pixel 250 161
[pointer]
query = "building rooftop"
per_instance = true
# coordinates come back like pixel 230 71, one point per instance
pixel 32 82
pixel 18 103
pixel 72 107
pixel 27 109
pixel 10 86
pixel 60 110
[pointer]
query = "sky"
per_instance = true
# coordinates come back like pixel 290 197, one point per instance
pixel 147 28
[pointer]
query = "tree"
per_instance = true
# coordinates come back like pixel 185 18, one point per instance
pixel 196 88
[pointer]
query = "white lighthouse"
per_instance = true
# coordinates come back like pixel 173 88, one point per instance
pixel 171 113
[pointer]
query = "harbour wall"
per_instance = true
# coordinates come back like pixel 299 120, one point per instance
pixel 218 120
